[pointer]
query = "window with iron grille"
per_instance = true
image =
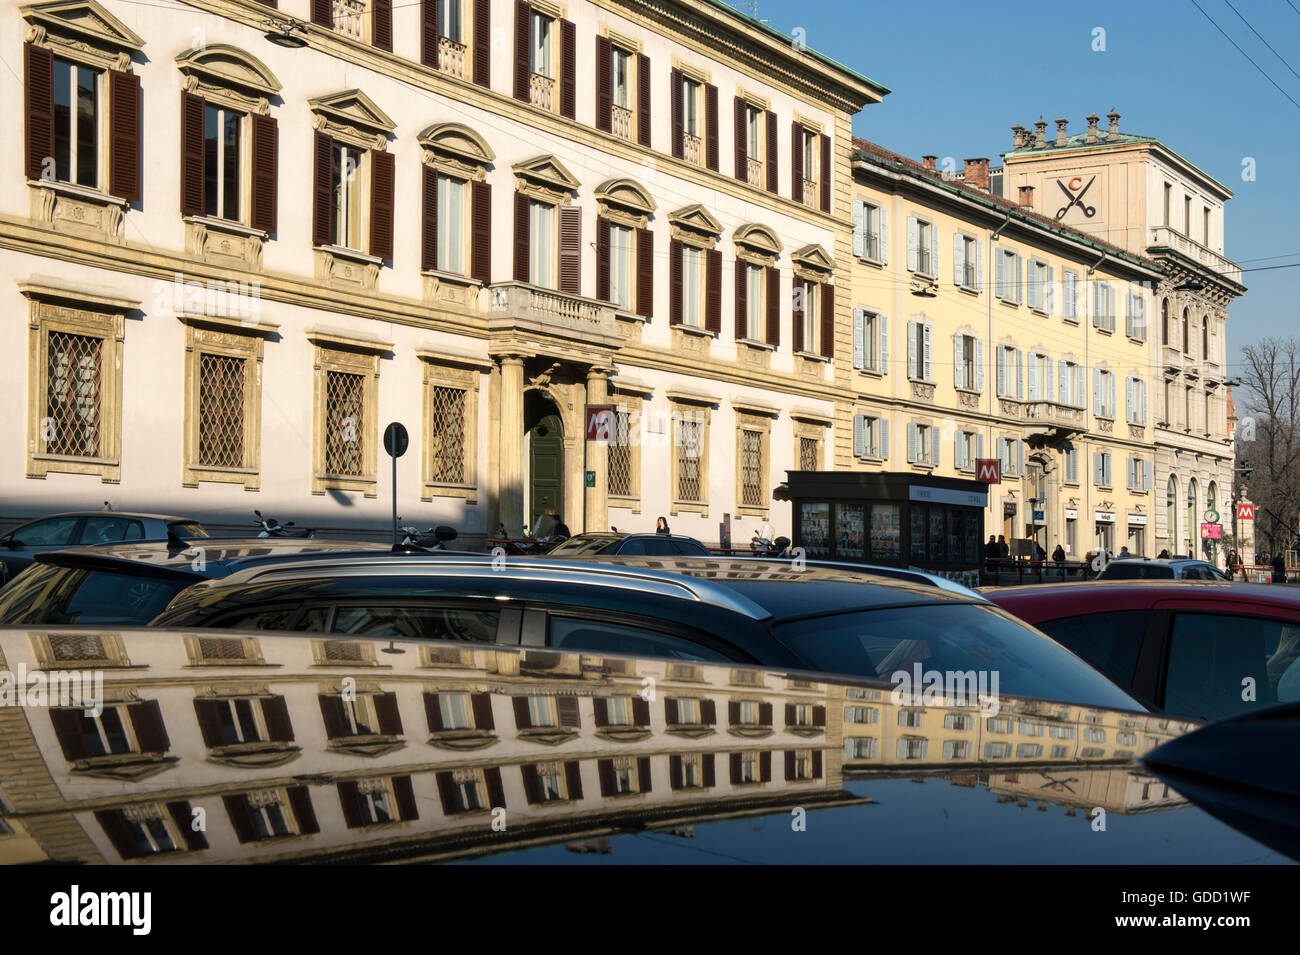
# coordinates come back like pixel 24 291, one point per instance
pixel 690 485
pixel 810 454
pixel 344 423
pixel 619 457
pixel 221 648
pixel 751 467
pixel 74 393
pixel 221 411
pixel 342 651
pixel 447 435
pixel 66 647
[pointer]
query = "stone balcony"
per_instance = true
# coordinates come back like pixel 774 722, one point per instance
pixel 621 121
pixel 451 57
pixel 1163 237
pixel 548 313
pixel 541 91
pixel 1051 422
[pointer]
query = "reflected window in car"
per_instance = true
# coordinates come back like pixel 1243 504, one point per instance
pixel 53 594
pixel 188 529
pixel 107 530
pixel 861 747
pixel 1212 655
pixel 421 623
pixel 1136 570
pixel 602 636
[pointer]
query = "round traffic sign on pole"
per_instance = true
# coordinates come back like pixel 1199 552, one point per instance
pixel 396 440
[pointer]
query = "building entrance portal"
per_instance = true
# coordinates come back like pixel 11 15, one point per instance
pixel 545 440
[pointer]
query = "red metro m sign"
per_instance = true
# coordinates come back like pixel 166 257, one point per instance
pixel 988 470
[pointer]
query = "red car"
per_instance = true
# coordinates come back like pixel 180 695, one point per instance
pixel 1203 649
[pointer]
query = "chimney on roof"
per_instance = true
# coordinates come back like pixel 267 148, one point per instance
pixel 1019 136
pixel 1092 119
pixel 1027 195
pixel 929 161
pixel 976 173
pixel 1114 121
pixel 1061 136
pixel 1040 137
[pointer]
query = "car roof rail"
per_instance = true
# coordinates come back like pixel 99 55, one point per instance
pixel 879 570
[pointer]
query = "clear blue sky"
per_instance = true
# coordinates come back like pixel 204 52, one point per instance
pixel 962 75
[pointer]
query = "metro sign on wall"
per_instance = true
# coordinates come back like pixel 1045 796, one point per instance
pixel 1245 512
pixel 988 470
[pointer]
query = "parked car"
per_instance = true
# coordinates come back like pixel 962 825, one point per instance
pixel 20 546
pixel 1183 648
pixel 743 610
pixel 130 583
pixel 587 768
pixel 628 545
pixel 1153 568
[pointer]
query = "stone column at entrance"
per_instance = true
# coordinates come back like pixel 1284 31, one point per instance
pixel 597 509
pixel 511 443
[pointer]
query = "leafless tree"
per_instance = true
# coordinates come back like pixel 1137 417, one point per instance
pixel 1268 436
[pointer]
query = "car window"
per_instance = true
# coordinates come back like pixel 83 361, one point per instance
pixel 657 547
pixel 1224 664
pixel 974 639
pixel 1109 641
pixel 54 532
pixel 50 594
pixel 106 530
pixel 422 623
pixel 1135 570
pixel 581 545
pixel 187 529
pixel 603 636
pixel 274 618
pixel 633 547
pixel 690 548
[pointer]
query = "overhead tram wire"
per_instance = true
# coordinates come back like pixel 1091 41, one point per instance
pixel 1261 69
pixel 1262 40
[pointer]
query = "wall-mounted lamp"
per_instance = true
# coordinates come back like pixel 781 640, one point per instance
pixel 287 33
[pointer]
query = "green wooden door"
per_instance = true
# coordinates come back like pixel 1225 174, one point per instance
pixel 546 469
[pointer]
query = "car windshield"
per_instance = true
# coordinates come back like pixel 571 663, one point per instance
pixel 53 594
pixel 583 545
pixel 1136 570
pixel 968 641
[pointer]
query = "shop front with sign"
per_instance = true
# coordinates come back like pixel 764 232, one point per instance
pixel 1104 530
pixel 1137 534
pixel 899 520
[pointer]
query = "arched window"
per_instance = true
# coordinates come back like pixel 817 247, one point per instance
pixel 1164 321
pixel 1205 337
pixel 1187 340
pixel 1171 511
pixel 1193 526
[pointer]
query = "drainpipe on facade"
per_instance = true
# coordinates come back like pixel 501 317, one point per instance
pixel 993 346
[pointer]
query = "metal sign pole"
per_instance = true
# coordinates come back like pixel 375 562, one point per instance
pixel 394 457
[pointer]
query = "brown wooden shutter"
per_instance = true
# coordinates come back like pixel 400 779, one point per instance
pixel 742 304
pixel 240 817
pixel 481 703
pixel 532 784
pixel 300 801
pixel 124 135
pixel 773 306
pixel 773 178
pixel 275 711
pixel 640 712
pixel 789 764
pixel 674 282
pixel 523 33
pixel 209 722
pixel 495 791
pixel 322 210
pixel 266 148
pixel 404 793
pixel 604 84
pixel 67 727
pixel 796 162
pixel 791 714
pixel 118 831
pixel 571 250
pixel 645 272
pixel 480 236
pixel 679 120
pixel 742 140
pixel 797 303
pixel 331 711
pixel 432 712
pixel 602 261
pixel 708 712
pixel 819 716
pixel 713 291
pixel 765 714
pixel 522 720
pixel 735 769
pixel 521 237
pixel 322 13
pixel 350 802
pixel 390 719
pixel 605 772
pixel 192 161
pixel 706 763
pixel 826 172
pixel 566 711
pixel 381 25
pixel 381 204
pixel 429 32
pixel 733 712
pixel 765 766
pixel 711 154
pixel 147 722
pixel 428 218
pixel 573 778
pixel 568 70
pixel 483 42
pixel 674 772
pixel 670 710
pixel 828 320
pixel 183 816
pixel 38 67
pixel 644 782
pixel 447 792
pixel 817 764
pixel 600 711
pixel 643 99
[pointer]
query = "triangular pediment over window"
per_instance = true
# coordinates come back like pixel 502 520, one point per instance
pixel 227 65
pixel 458 141
pixel 696 218
pixel 84 19
pixel 547 171
pixel 353 108
pixel 627 193
pixel 814 257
